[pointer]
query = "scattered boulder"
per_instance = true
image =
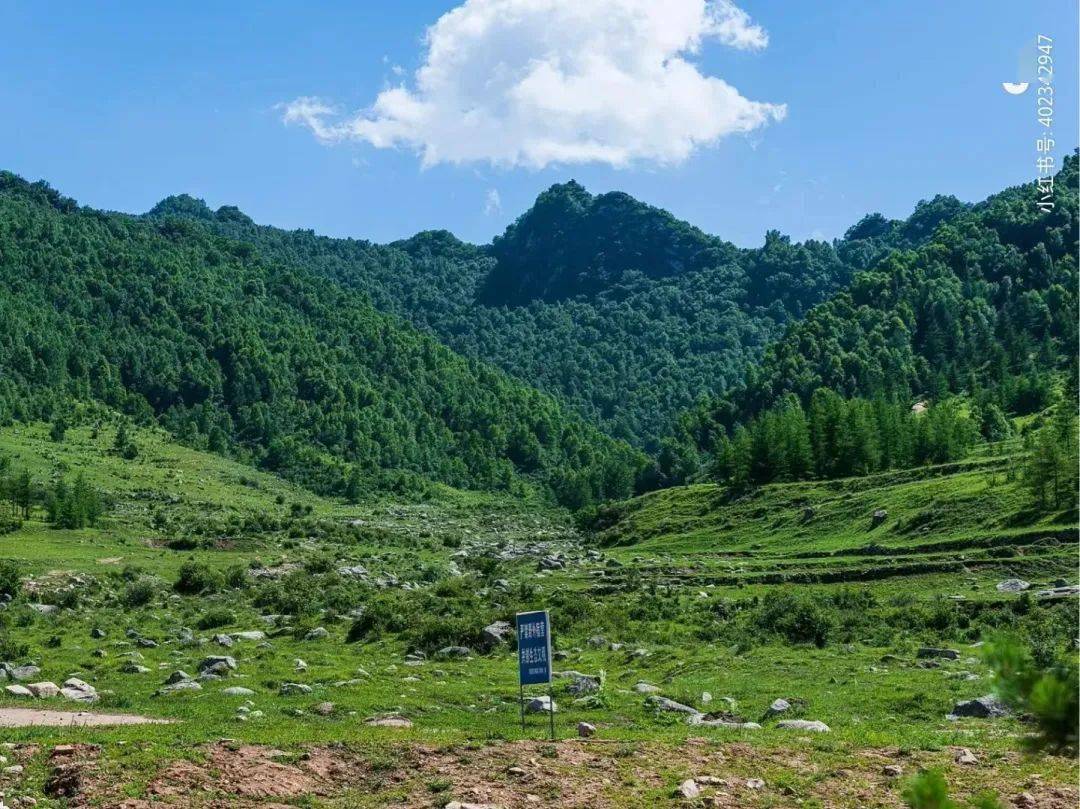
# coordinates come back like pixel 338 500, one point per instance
pixel 217 665
pixel 389 722
pixel 131 667
pixel 645 688
pixel 778 706
pixel 930 652
pixel 496 634
pixel 182 685
pixel 585 730
pixel 454 651
pixel 18 691
pixel 879 516
pixel 965 756
pixel 44 690
pixel 755 783
pixel 584 684
pixel 289 689
pixel 813 726
pixel 669 705
pixel 223 640
pixel 44 609
pixel 892 770
pixel 97 634
pixel 27 672
pixel 237 691
pixel 1012 586
pixel 318 633
pixel 542 704
pixel 986 707
pixel 688 789
pixel 324 708
pixel 78 690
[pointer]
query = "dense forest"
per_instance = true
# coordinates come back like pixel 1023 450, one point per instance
pixel 627 314
pixel 237 352
pixel 986 310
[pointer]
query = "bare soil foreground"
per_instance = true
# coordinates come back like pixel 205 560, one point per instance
pixel 32 717
pixel 521 774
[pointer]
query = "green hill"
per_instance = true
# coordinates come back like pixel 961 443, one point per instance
pixel 619 309
pixel 238 352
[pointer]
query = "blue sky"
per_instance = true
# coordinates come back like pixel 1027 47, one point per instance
pixel 120 104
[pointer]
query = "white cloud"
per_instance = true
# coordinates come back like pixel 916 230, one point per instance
pixel 492 203
pixel 535 82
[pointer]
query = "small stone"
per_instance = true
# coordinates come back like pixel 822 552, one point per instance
pixel 778 706
pixel 892 770
pixel 97 634
pixel 288 689
pixel 237 691
pixel 318 633
pixel 1012 586
pixel 986 707
pixel 14 769
pixel 930 652
pixel 585 730
pixel 389 722
pixel 541 704
pixel 755 783
pixel 803 724
pixel 688 789
pixel 324 708
pixel 18 691
pixel 965 756
pixel 1025 800
pixel 646 688
pixel 669 705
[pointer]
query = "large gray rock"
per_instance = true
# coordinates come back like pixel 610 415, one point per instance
pixel 496 634
pixel 18 690
pixel 541 705
pixel 182 685
pixel 1012 586
pixel 318 633
pixel 251 634
pixel 778 706
pixel 289 689
pixel 930 652
pixel 24 672
pixel 237 691
pixel 985 707
pixel 44 689
pixel 217 665
pixel 645 688
pixel 669 705
pixel 803 724
pixel 223 640
pixel 178 676
pixel 454 651
pixel 584 684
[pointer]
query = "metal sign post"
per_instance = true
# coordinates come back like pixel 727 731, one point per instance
pixel 534 658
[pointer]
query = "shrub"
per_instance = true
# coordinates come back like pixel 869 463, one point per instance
pixel 196 577
pixel 797 618
pixel 139 593
pixel 1050 695
pixel 236 577
pixel 928 790
pixel 10 581
pixel 215 617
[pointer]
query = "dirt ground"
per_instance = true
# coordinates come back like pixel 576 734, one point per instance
pixel 570 774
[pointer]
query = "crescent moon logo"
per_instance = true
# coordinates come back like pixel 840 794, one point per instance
pixel 1014 89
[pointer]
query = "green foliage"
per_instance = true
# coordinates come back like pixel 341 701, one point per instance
pixel 1050 694
pixel 796 617
pixel 840 438
pixel 230 349
pixel 929 790
pixel 215 617
pixel 10 578
pixel 986 308
pixel 196 577
pixel 76 506
pixel 1051 472
pixel 140 592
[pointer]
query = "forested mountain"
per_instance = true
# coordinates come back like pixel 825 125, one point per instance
pixel 240 352
pixel 624 312
pixel 986 309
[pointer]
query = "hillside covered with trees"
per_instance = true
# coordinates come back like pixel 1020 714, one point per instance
pixel 624 312
pixel 986 310
pixel 240 353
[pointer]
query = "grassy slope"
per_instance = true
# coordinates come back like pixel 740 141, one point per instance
pixel 687 538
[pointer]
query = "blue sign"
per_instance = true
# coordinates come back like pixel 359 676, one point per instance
pixel 534 647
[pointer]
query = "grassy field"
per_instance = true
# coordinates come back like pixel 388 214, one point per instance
pixel 672 589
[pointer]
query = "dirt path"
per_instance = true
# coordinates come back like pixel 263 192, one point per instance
pixel 30 717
